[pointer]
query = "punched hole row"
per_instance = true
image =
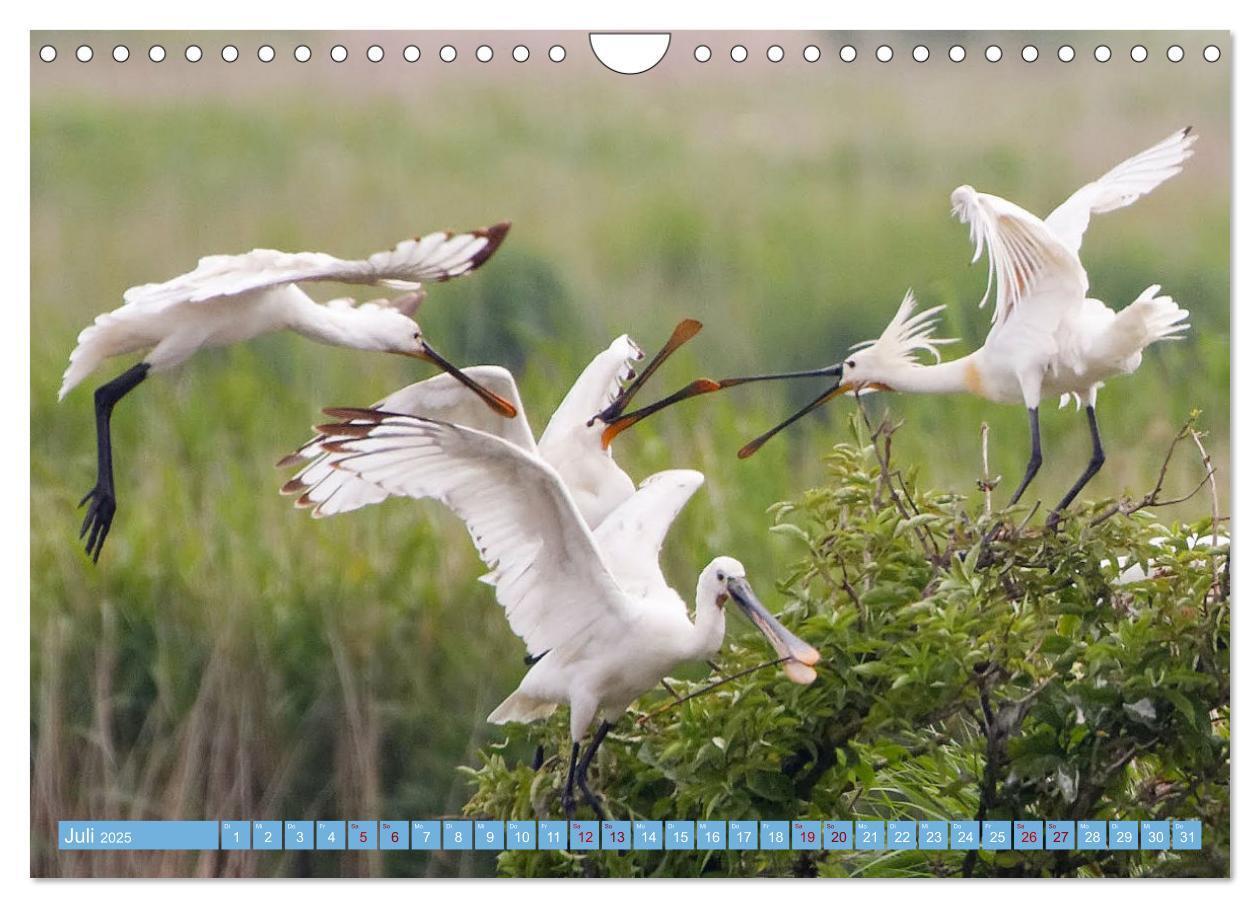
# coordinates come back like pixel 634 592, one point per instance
pixel 302 53
pixel 556 53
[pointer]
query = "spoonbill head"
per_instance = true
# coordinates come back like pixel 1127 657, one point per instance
pixel 725 580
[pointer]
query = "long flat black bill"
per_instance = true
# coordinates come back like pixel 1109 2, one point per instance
pixel 493 401
pixel 828 371
pixel 753 446
pixel 683 332
pixel 621 423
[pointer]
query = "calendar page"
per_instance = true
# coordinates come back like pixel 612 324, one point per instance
pixel 681 454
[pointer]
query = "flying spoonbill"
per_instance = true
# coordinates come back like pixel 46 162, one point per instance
pixel 1048 337
pixel 599 637
pixel 232 298
pixel 570 443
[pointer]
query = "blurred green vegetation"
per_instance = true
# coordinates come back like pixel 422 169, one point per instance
pixel 231 657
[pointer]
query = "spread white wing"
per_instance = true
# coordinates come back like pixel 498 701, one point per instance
pixel 1122 185
pixel 328 490
pixel 433 258
pixel 600 382
pixel 632 535
pixel 1030 270
pixel 551 578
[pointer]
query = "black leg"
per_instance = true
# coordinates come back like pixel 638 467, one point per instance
pixel 587 757
pixel 1034 458
pixel 1096 460
pixel 566 800
pixel 100 500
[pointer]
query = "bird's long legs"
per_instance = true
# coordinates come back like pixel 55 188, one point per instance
pixel 100 500
pixel 580 775
pixel 1096 460
pixel 1034 457
pixel 566 800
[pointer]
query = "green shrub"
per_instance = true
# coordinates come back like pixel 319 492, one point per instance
pixel 962 677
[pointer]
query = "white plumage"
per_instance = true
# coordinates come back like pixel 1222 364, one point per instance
pixel 570 443
pixel 601 635
pixel 231 298
pixel 1048 339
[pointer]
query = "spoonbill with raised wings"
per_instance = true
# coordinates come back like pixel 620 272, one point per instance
pixel 601 623
pixel 1048 339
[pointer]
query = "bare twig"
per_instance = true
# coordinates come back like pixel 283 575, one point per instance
pixel 1197 438
pixel 885 431
pixel 986 484
pixel 704 690
pixel 1151 499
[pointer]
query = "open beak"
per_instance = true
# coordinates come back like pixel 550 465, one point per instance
pixel 493 401
pixel 618 424
pixel 800 655
pixel 753 446
pixel 683 332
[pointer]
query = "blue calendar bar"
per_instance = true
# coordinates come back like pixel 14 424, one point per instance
pixel 636 835
pixel 138 835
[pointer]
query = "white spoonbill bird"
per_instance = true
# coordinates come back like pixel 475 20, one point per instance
pixel 232 298
pixel 1049 339
pixel 599 620
pixel 570 443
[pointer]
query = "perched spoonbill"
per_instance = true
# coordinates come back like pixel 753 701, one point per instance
pixel 1048 337
pixel 597 641
pixel 570 443
pixel 232 298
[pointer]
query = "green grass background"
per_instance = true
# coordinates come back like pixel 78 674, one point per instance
pixel 231 657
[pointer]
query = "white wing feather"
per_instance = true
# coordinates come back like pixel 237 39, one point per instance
pixel 550 576
pixel 600 382
pixel 633 534
pixel 1025 258
pixel 433 258
pixel 1122 185
pixel 320 485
